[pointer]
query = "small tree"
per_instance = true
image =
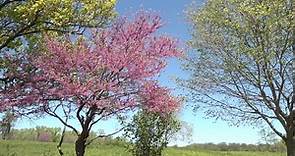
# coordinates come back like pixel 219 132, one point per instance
pixel 6 124
pixel 150 132
pixel 93 80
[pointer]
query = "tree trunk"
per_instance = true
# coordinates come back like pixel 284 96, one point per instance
pixel 80 144
pixel 290 144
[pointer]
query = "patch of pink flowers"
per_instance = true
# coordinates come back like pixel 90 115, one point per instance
pixel 111 71
pixel 158 99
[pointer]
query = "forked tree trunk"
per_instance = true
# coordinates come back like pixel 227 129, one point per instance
pixel 80 144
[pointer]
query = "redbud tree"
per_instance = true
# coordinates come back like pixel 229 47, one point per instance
pixel 89 80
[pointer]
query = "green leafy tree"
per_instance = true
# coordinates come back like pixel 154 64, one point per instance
pixel 243 67
pixel 150 132
pixel 22 21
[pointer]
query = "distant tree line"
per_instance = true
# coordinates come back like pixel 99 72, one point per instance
pixel 274 147
pixel 47 134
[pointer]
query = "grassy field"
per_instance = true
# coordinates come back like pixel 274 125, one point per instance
pixel 25 148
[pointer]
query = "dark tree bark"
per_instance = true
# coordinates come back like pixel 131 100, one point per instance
pixel 290 135
pixel 86 125
pixel 80 144
pixel 290 142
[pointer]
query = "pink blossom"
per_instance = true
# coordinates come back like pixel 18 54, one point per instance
pixel 111 71
pixel 158 99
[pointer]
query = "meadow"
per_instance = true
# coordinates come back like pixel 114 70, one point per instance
pixel 33 148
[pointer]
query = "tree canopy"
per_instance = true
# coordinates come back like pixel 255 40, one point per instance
pixel 150 132
pixel 91 80
pixel 242 69
pixel 22 20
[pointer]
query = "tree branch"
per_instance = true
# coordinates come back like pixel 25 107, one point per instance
pixel 103 136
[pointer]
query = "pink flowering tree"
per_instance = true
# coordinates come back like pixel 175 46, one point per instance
pixel 91 80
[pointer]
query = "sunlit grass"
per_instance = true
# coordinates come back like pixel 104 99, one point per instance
pixel 27 148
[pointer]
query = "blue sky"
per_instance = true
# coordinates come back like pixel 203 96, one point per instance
pixel 204 130
pixel 172 12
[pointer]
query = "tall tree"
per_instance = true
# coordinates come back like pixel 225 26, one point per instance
pixel 23 23
pixel 243 68
pixel 90 80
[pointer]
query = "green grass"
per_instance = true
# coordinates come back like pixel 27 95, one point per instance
pixel 182 152
pixel 26 148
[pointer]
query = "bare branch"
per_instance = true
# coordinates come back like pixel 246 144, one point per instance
pixel 53 113
pixel 104 136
